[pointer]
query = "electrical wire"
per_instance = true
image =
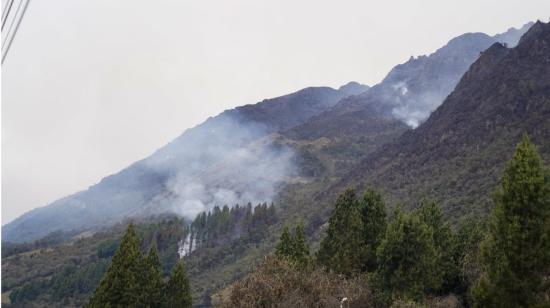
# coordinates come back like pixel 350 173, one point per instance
pixel 13 21
pixel 6 12
pixel 10 41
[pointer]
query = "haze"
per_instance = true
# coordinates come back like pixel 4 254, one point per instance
pixel 92 86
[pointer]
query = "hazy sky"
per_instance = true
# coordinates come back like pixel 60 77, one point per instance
pixel 92 86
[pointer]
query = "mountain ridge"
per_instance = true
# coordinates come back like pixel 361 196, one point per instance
pixel 503 95
pixel 141 181
pixel 338 112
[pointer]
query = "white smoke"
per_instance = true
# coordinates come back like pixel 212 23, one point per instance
pixel 413 108
pixel 401 87
pixel 229 163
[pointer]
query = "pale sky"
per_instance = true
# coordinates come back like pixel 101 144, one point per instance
pixel 91 86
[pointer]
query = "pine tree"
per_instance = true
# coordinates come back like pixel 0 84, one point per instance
pixel 153 287
pixel 373 212
pixel 300 248
pixel 177 292
pixel 122 284
pixel 516 252
pixel 343 248
pixel 406 258
pixel 469 234
pixel 447 270
pixel 285 246
pixel 293 247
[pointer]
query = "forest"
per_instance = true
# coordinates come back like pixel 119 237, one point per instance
pixel 416 259
pixel 370 256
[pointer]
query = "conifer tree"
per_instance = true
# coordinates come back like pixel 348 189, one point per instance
pixel 516 252
pixel 293 246
pixel 285 245
pixel 122 284
pixel 153 287
pixel 469 234
pixel 447 270
pixel 300 248
pixel 178 293
pixel 343 248
pixel 373 212
pixel 406 258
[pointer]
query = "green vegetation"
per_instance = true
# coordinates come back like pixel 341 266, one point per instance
pixel 356 228
pixel 293 247
pixel 177 292
pixel 135 281
pixel 420 260
pixel 66 273
pixel 370 258
pixel 343 249
pixel 515 255
pixel 373 211
pixel 222 225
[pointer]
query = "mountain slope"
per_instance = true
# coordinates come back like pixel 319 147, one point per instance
pixel 131 191
pixel 332 143
pixel 457 155
pixel 454 156
pixel 354 127
pixel 412 90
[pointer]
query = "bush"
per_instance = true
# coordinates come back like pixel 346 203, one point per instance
pixel 280 283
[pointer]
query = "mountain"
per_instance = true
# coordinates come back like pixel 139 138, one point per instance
pixel 135 189
pixel 353 88
pixel 454 156
pixel 457 155
pixel 334 142
pixel 303 137
pixel 409 93
pixel 512 36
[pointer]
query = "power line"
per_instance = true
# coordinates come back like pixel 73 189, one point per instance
pixel 13 21
pixel 6 12
pixel 10 41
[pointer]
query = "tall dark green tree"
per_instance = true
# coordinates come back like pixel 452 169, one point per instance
pixel 284 246
pixel 516 251
pixel 446 265
pixel 300 248
pixel 122 284
pixel 177 292
pixel 406 260
pixel 373 212
pixel 293 246
pixel 469 234
pixel 343 248
pixel 153 284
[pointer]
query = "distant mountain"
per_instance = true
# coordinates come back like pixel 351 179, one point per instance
pixel 410 91
pixel 512 36
pixel 338 139
pixel 250 153
pixel 353 88
pixel 167 172
pixel 333 142
pixel 457 155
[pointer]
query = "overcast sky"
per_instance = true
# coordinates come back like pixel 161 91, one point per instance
pixel 92 86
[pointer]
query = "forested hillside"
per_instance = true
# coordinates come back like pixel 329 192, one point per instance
pixel 458 154
pixel 183 177
pixel 371 258
pixel 306 199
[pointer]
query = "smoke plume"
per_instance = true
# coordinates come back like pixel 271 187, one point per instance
pixel 229 161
